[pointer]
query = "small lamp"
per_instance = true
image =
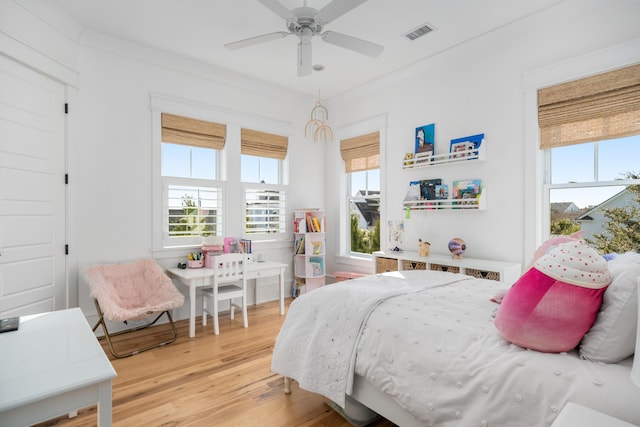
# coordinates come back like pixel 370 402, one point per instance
pixel 635 370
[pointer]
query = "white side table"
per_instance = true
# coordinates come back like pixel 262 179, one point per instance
pixel 574 415
pixel 52 365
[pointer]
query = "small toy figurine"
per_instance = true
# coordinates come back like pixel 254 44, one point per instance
pixel 423 248
pixel 407 158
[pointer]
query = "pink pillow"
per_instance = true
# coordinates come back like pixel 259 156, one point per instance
pixel 555 302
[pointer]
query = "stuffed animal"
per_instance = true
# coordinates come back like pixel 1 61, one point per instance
pixel 423 248
pixel 556 301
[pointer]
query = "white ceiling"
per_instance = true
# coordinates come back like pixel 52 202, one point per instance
pixel 198 29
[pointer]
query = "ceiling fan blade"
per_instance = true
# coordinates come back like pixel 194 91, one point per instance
pixel 352 43
pixel 277 8
pixel 304 58
pixel 336 9
pixel 255 40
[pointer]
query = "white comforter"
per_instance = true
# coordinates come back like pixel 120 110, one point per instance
pixel 434 350
pixel 317 341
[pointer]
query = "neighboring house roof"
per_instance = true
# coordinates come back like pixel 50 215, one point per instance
pixel 369 208
pixel 610 202
pixel 564 207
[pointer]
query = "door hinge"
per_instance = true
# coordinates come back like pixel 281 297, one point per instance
pixel 66 178
pixel 66 108
pixel 66 249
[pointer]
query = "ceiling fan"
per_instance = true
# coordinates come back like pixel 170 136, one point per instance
pixel 306 22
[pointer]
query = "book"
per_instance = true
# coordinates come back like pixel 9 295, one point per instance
pixel 299 247
pixel 428 188
pixel 245 245
pixel 466 146
pixel 425 142
pixel 317 266
pixel 466 191
pixel 442 191
pixel 308 217
pixel 316 224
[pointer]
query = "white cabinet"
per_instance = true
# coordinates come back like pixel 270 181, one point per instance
pixel 506 272
pixel 308 250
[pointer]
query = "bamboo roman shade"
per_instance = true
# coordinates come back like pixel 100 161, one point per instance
pixel 361 152
pixel 594 108
pixel 197 133
pixel 262 144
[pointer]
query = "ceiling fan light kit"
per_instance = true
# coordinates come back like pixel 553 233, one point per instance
pixel 306 22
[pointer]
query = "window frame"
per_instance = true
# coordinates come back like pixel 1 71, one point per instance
pixel 535 202
pixel 284 232
pixel 174 242
pixel 343 246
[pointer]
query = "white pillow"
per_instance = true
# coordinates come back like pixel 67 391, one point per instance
pixel 612 337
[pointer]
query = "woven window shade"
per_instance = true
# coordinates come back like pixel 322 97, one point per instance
pixel 594 108
pixel 361 152
pixel 193 132
pixel 262 144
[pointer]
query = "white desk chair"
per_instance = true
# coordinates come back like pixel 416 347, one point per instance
pixel 229 283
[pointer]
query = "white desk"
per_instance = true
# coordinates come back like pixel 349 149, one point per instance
pixel 53 365
pixel 199 277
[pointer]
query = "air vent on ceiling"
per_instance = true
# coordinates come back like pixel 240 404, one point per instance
pixel 418 32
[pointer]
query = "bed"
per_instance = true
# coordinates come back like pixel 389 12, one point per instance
pixel 421 348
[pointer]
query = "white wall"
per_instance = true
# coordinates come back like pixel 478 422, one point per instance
pixel 478 88
pixel 115 171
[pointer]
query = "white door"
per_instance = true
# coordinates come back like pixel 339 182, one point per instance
pixel 32 192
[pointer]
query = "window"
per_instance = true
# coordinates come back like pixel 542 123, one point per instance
pixel 192 193
pixel 590 131
pixel 362 165
pixel 262 174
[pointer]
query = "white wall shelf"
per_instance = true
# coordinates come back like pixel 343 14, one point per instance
pixel 420 162
pixel 479 203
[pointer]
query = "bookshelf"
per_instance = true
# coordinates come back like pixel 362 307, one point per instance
pixel 309 266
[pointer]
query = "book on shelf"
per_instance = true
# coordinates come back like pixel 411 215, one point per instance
pixel 466 191
pixel 316 224
pixel 308 217
pixel 299 247
pixel 245 245
pixel 317 266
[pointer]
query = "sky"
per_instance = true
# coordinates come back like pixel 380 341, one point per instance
pixel 581 163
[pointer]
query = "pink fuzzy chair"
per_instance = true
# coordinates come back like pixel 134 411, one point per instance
pixel 131 291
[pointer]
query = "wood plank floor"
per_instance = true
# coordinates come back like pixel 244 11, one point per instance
pixel 209 380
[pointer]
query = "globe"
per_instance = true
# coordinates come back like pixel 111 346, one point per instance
pixel 457 246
